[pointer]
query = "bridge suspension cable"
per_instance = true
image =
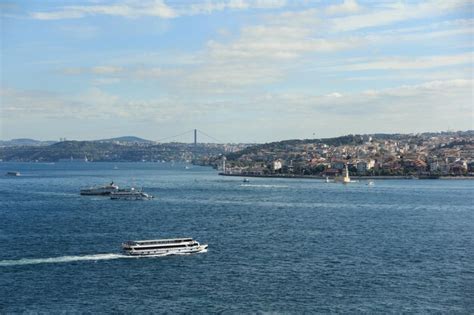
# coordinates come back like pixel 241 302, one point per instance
pixel 191 132
pixel 211 137
pixel 175 136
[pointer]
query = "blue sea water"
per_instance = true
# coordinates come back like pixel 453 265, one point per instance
pixel 275 245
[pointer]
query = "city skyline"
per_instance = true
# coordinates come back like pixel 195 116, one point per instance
pixel 243 71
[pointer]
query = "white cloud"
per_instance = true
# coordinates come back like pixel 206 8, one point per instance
pixel 97 98
pixel 143 73
pixel 105 81
pixel 157 8
pixel 106 70
pixel 434 74
pixel 277 42
pixel 95 103
pixel 271 50
pixel 302 18
pixel 433 105
pixel 396 13
pixel 226 78
pixel 432 94
pixel 410 63
pixel 211 6
pixel 346 7
pixel 334 94
pixel 45 105
pixel 72 71
pixel 32 101
pixel 425 32
pixel 129 9
pixel 101 70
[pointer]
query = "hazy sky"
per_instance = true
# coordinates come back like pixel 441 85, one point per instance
pixel 240 70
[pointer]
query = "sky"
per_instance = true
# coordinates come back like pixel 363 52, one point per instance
pixel 239 70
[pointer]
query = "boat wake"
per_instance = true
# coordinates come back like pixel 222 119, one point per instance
pixel 67 259
pixel 179 254
pixel 264 186
pixel 61 259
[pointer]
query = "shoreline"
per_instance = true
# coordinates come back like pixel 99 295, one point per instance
pixel 353 177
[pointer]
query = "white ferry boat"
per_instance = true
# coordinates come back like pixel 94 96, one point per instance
pixel 130 194
pixel 163 247
pixel 13 174
pixel 100 190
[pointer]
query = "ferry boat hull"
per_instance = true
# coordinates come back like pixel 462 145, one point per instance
pixel 95 193
pixel 130 195
pixel 151 253
pixel 100 191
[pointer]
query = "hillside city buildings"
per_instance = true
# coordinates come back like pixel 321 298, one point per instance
pixel 425 154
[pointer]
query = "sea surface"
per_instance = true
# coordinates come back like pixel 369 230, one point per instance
pixel 275 245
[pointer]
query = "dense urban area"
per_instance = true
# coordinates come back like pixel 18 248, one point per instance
pixel 426 154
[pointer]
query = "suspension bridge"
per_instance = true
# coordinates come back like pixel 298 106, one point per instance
pixel 192 135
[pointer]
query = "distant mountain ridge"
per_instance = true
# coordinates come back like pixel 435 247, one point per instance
pixel 111 151
pixel 135 149
pixel 34 142
pixel 129 139
pixel 25 142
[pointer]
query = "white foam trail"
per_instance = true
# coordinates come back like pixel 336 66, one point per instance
pixel 62 259
pixel 265 186
pixel 66 259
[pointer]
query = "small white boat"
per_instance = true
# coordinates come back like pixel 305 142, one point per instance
pixel 162 247
pixel 13 174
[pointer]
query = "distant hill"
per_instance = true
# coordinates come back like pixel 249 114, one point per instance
pixel 352 140
pixel 24 142
pixel 108 151
pixel 35 143
pixel 129 139
pixel 286 144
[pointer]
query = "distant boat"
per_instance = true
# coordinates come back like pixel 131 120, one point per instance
pixel 116 167
pixel 246 180
pixel 13 174
pixel 186 167
pixel 370 183
pixel 100 190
